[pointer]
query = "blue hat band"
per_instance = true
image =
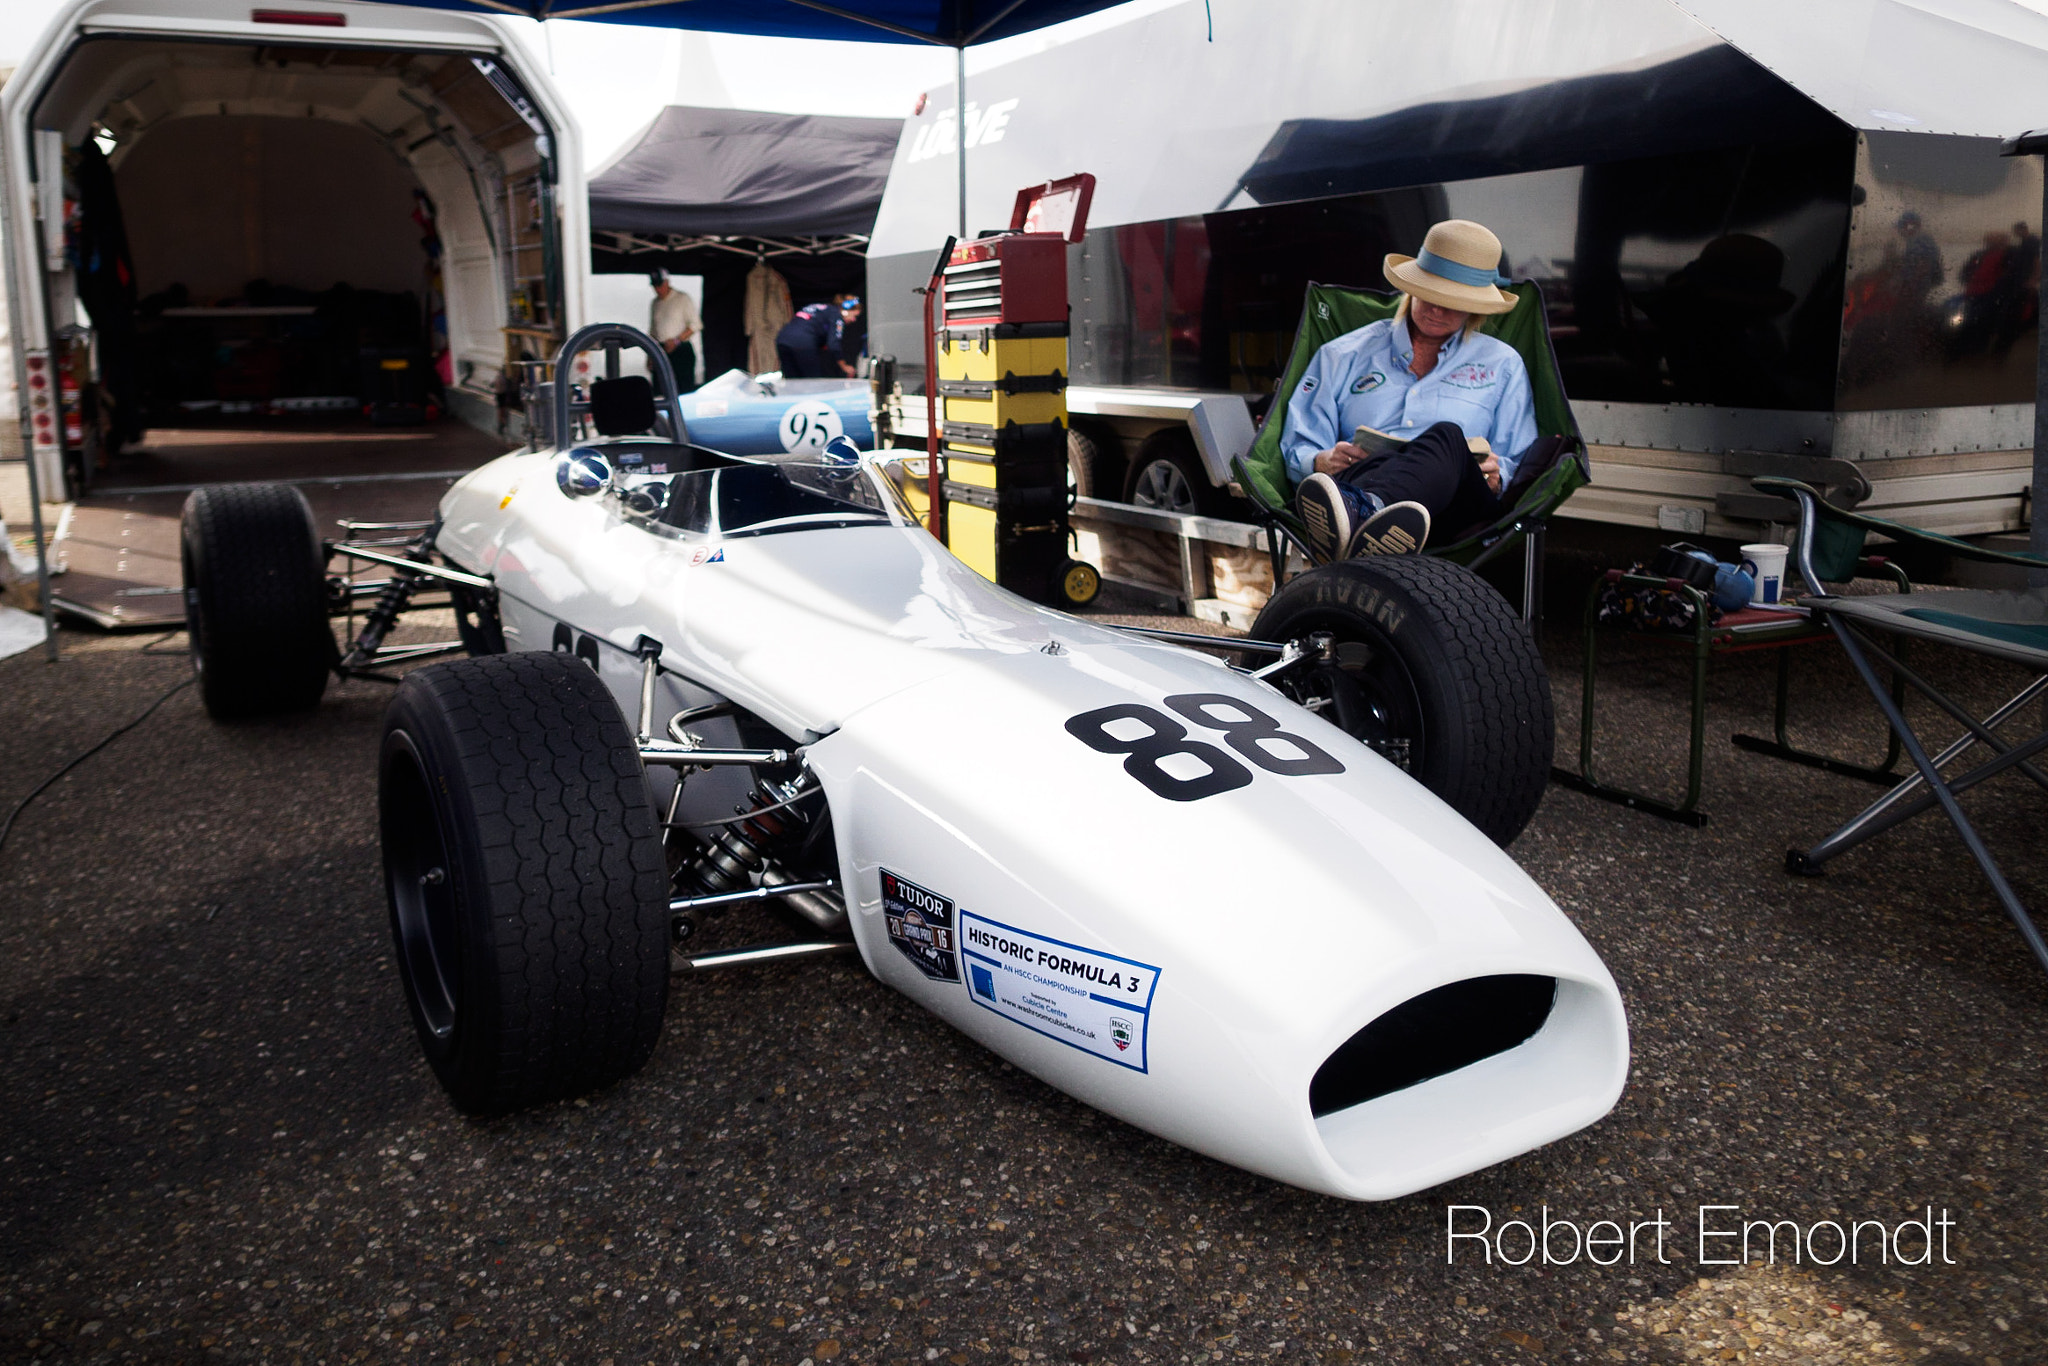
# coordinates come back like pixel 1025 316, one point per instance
pixel 1457 271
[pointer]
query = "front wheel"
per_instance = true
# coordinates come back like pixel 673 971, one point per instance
pixel 524 872
pixel 1435 671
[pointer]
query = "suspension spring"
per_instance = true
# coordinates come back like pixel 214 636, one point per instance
pixel 383 614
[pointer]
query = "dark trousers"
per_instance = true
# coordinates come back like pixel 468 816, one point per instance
pixel 805 362
pixel 682 358
pixel 1437 470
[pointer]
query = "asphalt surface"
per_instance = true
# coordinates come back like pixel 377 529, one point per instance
pixel 220 1142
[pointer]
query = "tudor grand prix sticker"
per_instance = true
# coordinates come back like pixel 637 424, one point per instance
pixel 920 926
pixel 1087 999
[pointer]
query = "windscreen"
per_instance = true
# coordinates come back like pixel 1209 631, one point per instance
pixel 758 498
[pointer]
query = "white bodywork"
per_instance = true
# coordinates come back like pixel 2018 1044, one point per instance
pixel 1229 944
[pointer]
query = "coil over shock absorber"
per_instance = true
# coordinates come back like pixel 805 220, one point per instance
pixel 744 852
pixel 383 614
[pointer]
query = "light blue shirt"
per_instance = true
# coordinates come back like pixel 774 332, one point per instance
pixel 1363 379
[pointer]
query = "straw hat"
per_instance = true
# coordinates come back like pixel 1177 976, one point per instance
pixel 1459 268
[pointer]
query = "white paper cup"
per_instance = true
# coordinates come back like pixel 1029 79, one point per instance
pixel 1765 564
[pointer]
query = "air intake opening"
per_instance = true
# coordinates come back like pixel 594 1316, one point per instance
pixel 1437 1032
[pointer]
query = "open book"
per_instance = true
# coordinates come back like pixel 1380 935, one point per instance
pixel 1373 441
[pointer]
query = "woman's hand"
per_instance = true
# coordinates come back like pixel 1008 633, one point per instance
pixel 1489 463
pixel 1338 457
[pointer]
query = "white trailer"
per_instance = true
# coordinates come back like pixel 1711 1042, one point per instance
pixel 264 153
pixel 1773 239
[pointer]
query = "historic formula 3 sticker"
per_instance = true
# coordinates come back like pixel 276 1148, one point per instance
pixel 921 927
pixel 1087 999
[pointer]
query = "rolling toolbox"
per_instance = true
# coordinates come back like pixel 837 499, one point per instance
pixel 1002 383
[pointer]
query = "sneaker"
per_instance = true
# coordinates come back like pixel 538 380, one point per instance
pixel 1324 513
pixel 1396 529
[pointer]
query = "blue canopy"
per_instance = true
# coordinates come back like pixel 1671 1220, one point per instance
pixel 947 23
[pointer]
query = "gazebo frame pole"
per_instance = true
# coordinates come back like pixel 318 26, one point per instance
pixel 960 130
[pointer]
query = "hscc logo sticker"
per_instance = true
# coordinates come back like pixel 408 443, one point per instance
pixel 920 926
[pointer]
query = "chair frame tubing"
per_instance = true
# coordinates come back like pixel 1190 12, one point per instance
pixel 1705 646
pixel 1887 812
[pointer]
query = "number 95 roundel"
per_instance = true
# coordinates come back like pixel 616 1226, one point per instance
pixel 1170 764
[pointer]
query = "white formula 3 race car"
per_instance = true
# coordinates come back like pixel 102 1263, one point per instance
pixel 699 680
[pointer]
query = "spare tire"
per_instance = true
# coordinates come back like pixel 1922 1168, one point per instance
pixel 1435 671
pixel 255 600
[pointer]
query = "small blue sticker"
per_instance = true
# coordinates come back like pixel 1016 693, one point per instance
pixel 1308 386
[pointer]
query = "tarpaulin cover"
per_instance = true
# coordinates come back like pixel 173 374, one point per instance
pixel 954 23
pixel 736 172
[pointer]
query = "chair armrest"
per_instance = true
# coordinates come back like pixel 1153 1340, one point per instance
pixel 1814 509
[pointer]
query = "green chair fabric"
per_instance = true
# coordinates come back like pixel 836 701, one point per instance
pixel 1839 535
pixel 1329 311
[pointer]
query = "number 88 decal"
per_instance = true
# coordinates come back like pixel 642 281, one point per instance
pixel 1245 728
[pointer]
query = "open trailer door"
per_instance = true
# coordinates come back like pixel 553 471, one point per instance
pixel 311 244
pixel 224 212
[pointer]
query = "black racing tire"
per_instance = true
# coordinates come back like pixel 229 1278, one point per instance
pixel 1167 473
pixel 255 600
pixel 524 873
pixel 1434 668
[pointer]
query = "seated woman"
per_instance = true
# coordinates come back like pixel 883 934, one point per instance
pixel 1457 404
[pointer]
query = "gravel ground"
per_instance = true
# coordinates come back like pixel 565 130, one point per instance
pixel 221 1143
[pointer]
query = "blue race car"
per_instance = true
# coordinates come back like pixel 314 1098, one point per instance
pixel 769 415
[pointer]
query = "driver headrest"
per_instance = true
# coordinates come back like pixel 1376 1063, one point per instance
pixel 622 406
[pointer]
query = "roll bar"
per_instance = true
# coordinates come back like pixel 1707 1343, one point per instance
pixel 564 408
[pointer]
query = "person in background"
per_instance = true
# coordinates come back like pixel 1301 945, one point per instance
pixel 809 345
pixel 853 341
pixel 673 322
pixel 1456 402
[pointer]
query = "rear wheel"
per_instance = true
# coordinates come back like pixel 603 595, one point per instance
pixel 1082 459
pixel 1168 474
pixel 1435 671
pixel 524 871
pixel 255 599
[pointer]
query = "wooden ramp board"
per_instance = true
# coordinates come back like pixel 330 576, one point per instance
pixel 117 550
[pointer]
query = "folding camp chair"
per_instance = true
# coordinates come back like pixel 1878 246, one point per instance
pixel 1550 471
pixel 2000 624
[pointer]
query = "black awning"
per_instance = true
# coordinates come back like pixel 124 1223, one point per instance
pixel 738 172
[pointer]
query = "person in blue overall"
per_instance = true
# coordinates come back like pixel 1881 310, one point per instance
pixel 1458 399
pixel 808 344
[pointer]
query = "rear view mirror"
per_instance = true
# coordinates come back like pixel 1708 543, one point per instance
pixel 583 473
